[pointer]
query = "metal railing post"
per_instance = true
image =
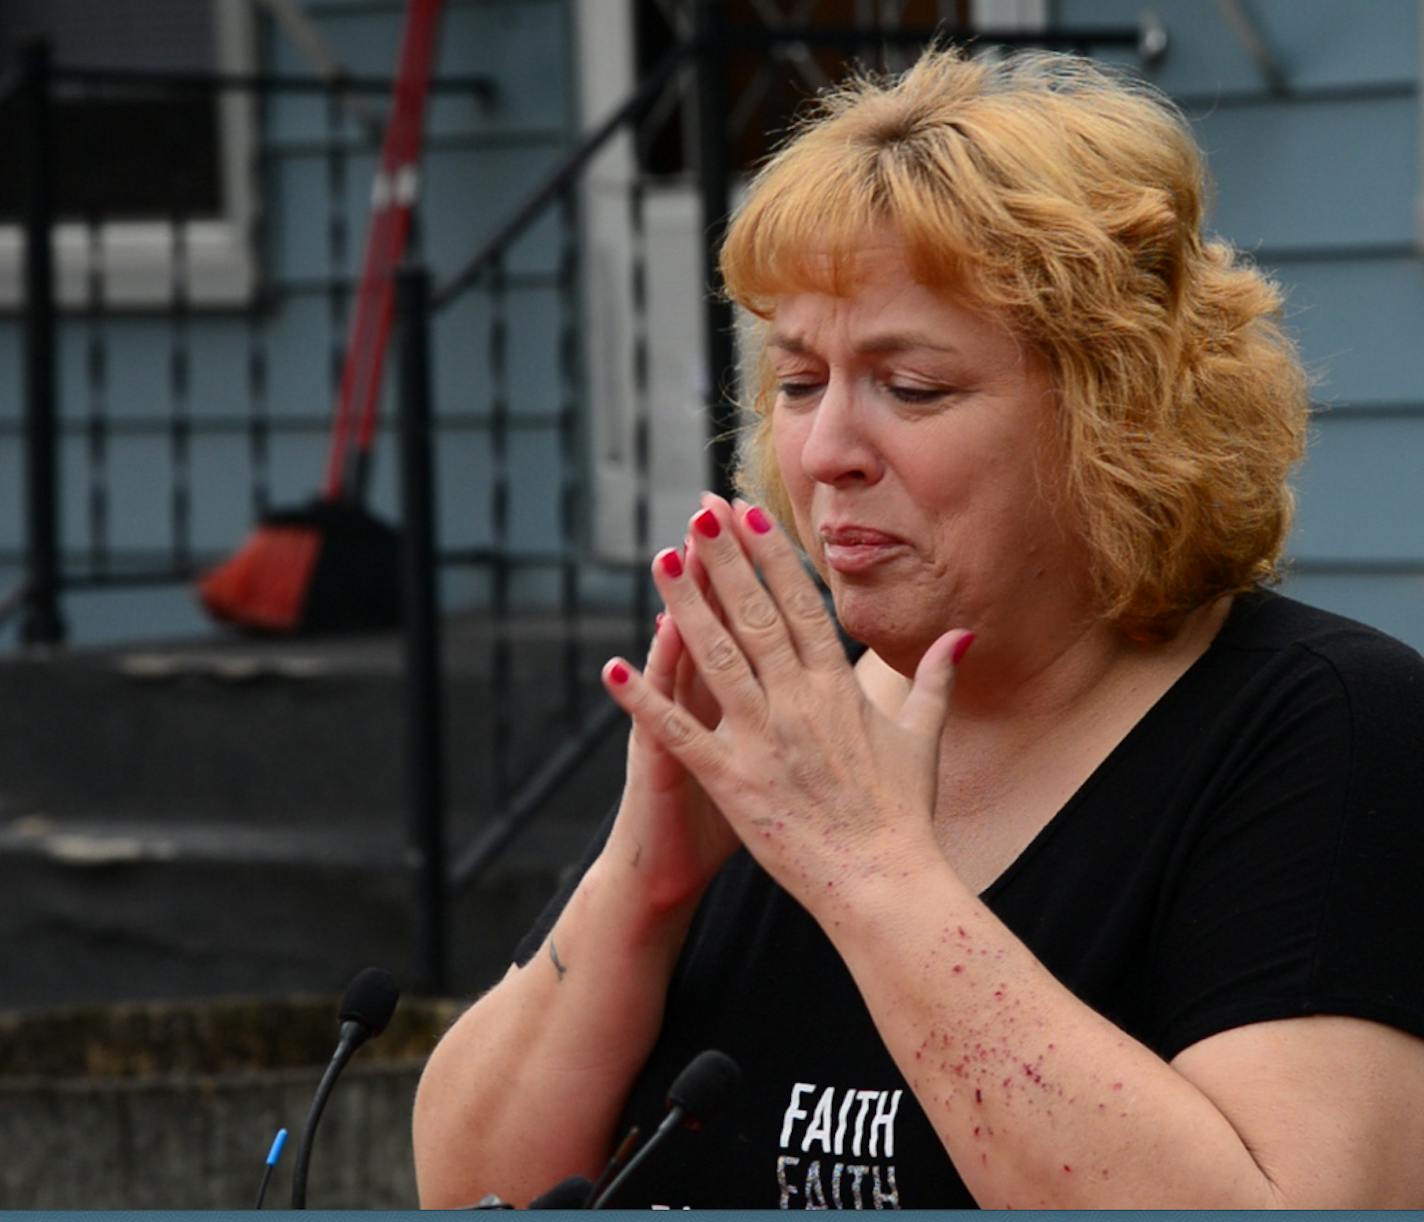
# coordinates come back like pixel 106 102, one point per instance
pixel 714 172
pixel 40 623
pixel 425 705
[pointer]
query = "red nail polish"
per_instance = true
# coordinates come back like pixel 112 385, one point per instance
pixel 618 674
pixel 706 524
pixel 671 562
pixel 757 520
pixel 961 647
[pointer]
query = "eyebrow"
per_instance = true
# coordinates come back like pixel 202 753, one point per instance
pixel 890 342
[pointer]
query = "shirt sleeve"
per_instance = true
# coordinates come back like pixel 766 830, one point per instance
pixel 1299 894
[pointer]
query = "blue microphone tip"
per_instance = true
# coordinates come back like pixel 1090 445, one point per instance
pixel 277 1143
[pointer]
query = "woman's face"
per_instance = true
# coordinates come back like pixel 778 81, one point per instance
pixel 916 442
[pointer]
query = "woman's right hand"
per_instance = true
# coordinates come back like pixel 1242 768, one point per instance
pixel 667 831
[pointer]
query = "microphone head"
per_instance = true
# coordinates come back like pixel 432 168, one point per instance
pixel 572 1193
pixel 705 1085
pixel 370 1000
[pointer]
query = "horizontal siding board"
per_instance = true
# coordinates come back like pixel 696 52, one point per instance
pixel 1362 490
pixel 1359 325
pixel 12 370
pixel 1318 45
pixel 456 222
pixel 467 198
pixel 1320 173
pixel 12 500
pixel 1394 603
pixel 522 49
pixel 298 356
pixel 463 474
pixel 138 474
pixel 137 351
pixel 222 510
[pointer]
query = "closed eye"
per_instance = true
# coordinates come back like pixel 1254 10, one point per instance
pixel 797 389
pixel 918 394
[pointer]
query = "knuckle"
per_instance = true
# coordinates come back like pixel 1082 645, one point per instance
pixel 757 610
pixel 721 655
pixel 805 605
pixel 676 727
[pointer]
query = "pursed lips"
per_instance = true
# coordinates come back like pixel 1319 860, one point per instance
pixel 852 548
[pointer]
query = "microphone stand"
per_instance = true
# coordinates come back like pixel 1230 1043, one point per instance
pixel 353 1035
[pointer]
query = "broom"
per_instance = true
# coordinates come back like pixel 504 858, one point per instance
pixel 330 565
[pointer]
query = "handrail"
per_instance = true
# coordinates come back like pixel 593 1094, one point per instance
pixel 851 36
pixel 215 82
pixel 526 803
pixel 562 175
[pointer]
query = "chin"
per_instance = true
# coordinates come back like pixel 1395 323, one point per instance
pixel 868 619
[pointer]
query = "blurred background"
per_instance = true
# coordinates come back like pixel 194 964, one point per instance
pixel 191 813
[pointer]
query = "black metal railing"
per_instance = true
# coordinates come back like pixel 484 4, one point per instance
pixel 526 762
pixel 51 559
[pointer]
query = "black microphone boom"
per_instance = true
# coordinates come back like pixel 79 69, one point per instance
pixel 701 1088
pixel 366 1008
pixel 572 1193
pixel 369 1001
pixel 695 1094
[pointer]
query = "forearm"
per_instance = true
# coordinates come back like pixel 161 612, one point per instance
pixel 1040 1101
pixel 526 1088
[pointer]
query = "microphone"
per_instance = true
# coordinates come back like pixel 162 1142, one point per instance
pixel 366 1008
pixel 695 1094
pixel 701 1089
pixel 273 1155
pixel 572 1193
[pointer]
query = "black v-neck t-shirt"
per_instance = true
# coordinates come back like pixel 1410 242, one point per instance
pixel 1253 849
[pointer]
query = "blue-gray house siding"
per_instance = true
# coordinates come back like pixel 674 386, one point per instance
pixel 479 162
pixel 1322 186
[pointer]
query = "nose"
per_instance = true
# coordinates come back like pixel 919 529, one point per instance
pixel 838 449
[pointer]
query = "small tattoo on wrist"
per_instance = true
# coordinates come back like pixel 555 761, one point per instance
pixel 554 958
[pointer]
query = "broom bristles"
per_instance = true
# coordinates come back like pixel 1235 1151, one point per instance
pixel 264 584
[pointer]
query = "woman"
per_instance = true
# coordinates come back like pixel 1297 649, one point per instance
pixel 1091 884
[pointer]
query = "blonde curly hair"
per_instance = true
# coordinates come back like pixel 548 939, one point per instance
pixel 1066 199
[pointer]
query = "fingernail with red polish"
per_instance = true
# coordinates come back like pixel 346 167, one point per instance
pixel 706 524
pixel 961 647
pixel 671 562
pixel 618 674
pixel 758 521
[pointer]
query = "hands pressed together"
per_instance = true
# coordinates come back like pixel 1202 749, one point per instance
pixel 749 725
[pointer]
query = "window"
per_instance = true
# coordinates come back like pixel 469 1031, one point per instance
pixel 141 177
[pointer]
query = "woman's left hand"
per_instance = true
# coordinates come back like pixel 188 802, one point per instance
pixel 817 782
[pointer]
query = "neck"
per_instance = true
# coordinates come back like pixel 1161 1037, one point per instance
pixel 1054 673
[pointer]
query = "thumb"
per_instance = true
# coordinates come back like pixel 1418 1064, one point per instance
pixel 925 707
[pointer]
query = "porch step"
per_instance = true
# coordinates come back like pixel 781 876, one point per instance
pixel 201 821
pixel 265 733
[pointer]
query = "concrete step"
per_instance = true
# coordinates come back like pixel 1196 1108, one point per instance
pixel 105 911
pixel 195 822
pixel 268 732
